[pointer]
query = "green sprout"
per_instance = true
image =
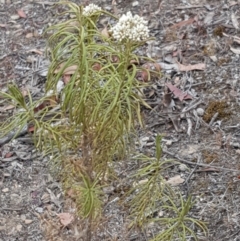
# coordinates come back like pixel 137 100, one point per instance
pixel 151 194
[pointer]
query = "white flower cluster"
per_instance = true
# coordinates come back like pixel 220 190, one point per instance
pixel 130 27
pixel 91 9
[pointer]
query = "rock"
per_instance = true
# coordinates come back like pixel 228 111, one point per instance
pixel 200 111
pixel 28 221
pixel 15 17
pixel 39 209
pixel 182 167
pixel 135 3
pixel 5 189
pixel 19 227
pixel 168 142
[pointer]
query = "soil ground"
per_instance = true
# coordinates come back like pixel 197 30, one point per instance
pixel 192 32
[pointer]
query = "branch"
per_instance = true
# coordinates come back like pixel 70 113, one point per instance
pixel 13 134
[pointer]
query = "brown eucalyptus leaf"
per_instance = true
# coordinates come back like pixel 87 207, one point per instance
pixel 183 23
pixel 67 71
pixel 36 51
pixel 174 181
pixel 178 93
pixel 21 13
pixel 65 218
pixel 186 68
pixel 9 107
pixel 97 66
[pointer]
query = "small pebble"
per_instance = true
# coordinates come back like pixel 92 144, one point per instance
pixel 168 143
pixel 108 8
pixel 29 35
pixel 200 111
pixel 19 227
pixel 28 221
pixel 108 190
pixel 31 59
pixel 145 139
pixel 182 167
pixel 15 17
pixel 135 3
pixel 39 209
pixel 5 189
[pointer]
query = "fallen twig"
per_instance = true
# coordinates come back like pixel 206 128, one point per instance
pixel 188 7
pixel 194 169
pixel 13 134
pixel 213 119
pixel 200 164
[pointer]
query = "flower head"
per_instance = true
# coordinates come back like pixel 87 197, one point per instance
pixel 91 9
pixel 130 27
